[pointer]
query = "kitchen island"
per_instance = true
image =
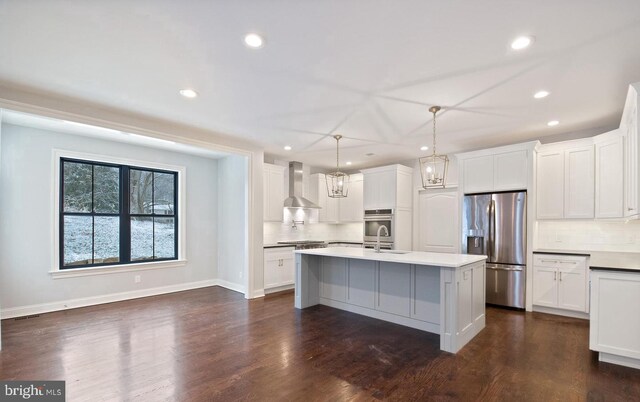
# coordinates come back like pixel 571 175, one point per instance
pixel 434 292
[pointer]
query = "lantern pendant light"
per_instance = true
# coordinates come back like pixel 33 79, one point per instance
pixel 433 168
pixel 337 182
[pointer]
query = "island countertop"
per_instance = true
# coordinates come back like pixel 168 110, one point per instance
pixel 403 257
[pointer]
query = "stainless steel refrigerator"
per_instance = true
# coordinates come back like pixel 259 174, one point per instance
pixel 495 225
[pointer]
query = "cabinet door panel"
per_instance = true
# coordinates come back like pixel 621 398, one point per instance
pixel 361 283
pixel 465 300
pixel 287 271
pixel 545 288
pixel 478 174
pixel 510 171
pixel 271 273
pixel 426 294
pixel 394 288
pixel 334 279
pixel 610 178
pixel 550 185
pixel 439 222
pixel 572 289
pixel 387 190
pixel 579 183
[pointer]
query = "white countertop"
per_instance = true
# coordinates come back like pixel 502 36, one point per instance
pixel 411 257
pixel 604 259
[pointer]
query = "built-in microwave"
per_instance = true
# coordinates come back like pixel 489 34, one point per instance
pixel 373 220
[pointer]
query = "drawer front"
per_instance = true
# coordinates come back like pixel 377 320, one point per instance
pixel 560 261
pixel 280 254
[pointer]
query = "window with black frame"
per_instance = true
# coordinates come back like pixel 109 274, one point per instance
pixel 116 214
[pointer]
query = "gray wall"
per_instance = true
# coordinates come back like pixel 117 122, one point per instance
pixel 232 221
pixel 26 219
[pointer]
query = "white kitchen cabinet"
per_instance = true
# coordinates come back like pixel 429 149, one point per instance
pixel 550 185
pixel 499 169
pixel 609 173
pixel 351 208
pixel 561 282
pixel 630 127
pixel 279 267
pixel 579 183
pixel 478 174
pixel 337 210
pixel 510 171
pixel 565 178
pixel 438 221
pixel 329 207
pixel 614 328
pixel 388 187
pixel 274 194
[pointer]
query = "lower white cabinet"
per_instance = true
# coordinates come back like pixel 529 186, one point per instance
pixel 279 267
pixel 614 328
pixel 561 282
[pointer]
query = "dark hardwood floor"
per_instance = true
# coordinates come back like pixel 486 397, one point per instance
pixel 212 344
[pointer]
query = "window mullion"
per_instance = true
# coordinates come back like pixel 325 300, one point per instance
pixel 125 218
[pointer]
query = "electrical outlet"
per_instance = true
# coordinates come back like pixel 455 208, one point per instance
pixel 136 279
pixel 241 274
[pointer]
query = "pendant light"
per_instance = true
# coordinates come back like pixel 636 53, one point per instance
pixel 433 168
pixel 337 182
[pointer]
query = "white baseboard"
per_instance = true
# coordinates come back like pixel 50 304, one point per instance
pixel 231 286
pixel 558 311
pixel 109 298
pixel 278 289
pixel 621 360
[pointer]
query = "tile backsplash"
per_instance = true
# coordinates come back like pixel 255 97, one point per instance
pixel 589 235
pixel 277 231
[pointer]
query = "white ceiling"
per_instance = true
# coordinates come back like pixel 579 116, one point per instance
pixel 368 70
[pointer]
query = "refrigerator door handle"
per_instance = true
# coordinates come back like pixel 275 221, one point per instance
pixel 492 229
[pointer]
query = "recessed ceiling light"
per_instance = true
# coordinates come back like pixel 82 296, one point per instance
pixel 424 148
pixel 553 123
pixel 188 93
pixel 541 94
pixel 253 40
pixel 287 147
pixel 522 42
pixel 348 163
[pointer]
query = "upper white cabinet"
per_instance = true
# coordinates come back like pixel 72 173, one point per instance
pixel 478 174
pixel 510 171
pixel 274 195
pixel 438 221
pixel 629 127
pixel 565 180
pixel 351 208
pixel 579 182
pixel 388 187
pixel 550 184
pixel 497 169
pixel 337 210
pixel 609 175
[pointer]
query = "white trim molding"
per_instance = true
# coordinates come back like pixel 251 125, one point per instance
pixel 57 154
pixel 231 286
pixel 22 311
pixel 115 269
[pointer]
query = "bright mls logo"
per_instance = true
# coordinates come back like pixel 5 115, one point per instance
pixel 46 391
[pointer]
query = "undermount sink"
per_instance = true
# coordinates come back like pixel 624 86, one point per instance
pixel 394 252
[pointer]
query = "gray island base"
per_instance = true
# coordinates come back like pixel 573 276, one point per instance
pixel 434 292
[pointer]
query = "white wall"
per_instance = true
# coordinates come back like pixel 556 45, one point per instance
pixel 232 221
pixel 27 217
pixel 589 235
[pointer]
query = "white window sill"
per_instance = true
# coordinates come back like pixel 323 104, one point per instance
pixel 115 269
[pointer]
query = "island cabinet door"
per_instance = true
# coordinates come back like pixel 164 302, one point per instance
pixel 334 279
pixel 361 283
pixel 425 303
pixel 394 288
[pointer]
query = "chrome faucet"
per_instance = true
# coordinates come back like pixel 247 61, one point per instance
pixel 386 231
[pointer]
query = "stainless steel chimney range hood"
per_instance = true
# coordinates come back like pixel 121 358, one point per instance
pixel 296 200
